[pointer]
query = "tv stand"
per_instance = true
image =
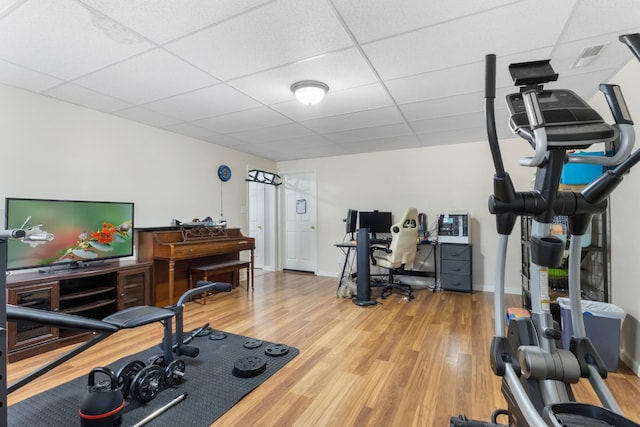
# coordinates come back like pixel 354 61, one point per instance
pixel 94 291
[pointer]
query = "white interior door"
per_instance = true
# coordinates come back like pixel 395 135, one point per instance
pixel 257 221
pixel 299 221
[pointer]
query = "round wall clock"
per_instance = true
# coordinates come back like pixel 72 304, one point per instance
pixel 224 173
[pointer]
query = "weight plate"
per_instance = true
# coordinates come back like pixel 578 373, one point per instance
pixel 249 367
pixel 146 384
pixel 203 333
pixel 252 343
pixel 276 350
pixel 174 372
pixel 217 335
pixel 158 360
pixel 126 375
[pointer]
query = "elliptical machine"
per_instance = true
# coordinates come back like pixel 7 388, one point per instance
pixel 536 371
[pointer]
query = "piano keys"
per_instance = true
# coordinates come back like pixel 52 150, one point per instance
pixel 174 250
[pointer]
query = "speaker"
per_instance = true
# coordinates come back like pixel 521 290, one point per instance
pixel 422 224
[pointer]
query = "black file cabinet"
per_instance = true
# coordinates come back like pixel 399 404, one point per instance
pixel 455 267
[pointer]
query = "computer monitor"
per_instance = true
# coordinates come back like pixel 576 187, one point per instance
pixel 376 221
pixel 351 222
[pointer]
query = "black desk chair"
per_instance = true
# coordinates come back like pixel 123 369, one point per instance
pixel 400 253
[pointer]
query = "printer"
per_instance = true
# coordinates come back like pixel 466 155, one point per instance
pixel 454 228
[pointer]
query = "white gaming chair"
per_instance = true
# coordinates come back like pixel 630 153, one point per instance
pixel 400 253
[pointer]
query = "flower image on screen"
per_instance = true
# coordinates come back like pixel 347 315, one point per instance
pixel 62 231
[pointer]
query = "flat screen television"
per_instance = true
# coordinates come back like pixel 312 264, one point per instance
pixel 67 233
pixel 376 221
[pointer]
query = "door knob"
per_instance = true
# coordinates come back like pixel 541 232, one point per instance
pixel 313 227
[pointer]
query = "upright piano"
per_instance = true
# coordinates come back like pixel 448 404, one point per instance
pixel 174 250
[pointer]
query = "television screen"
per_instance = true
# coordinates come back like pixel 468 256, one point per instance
pixel 67 233
pixel 376 221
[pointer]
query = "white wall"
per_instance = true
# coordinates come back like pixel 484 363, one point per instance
pixel 52 149
pixel 434 180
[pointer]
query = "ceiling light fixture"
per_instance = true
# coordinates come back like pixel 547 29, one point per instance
pixel 309 92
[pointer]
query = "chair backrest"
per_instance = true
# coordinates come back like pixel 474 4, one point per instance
pixel 404 238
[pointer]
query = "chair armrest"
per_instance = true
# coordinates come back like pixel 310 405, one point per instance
pixel 375 248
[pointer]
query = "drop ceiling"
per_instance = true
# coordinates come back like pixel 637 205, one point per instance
pixel 402 73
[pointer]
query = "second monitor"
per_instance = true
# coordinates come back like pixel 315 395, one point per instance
pixel 376 221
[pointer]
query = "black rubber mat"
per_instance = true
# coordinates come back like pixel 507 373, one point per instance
pixel 208 379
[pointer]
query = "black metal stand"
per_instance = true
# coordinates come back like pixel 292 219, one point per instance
pixel 363 283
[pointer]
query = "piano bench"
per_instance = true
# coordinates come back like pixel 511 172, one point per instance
pixel 219 268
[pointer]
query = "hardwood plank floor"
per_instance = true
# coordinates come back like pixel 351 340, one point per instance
pixel 399 363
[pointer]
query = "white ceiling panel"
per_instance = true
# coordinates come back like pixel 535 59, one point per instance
pixel 375 20
pixel 243 120
pixel 202 103
pixel 458 121
pixel 443 107
pixel 63 39
pixel 15 75
pixel 163 20
pixel 189 130
pixel 79 95
pixel 360 119
pixel 452 44
pixel 274 133
pixel 401 73
pixel 279 33
pixel 339 70
pixel 365 134
pixel 153 75
pixel 148 117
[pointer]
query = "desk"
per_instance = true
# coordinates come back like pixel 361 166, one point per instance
pixel 348 247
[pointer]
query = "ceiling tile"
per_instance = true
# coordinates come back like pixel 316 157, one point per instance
pixel 467 39
pixel 79 95
pixel 458 121
pixel 280 33
pixel 360 119
pixel 447 106
pixel 188 129
pixel 273 133
pixel 374 20
pixel 63 39
pixel 373 132
pixel 202 103
pixel 438 84
pixel 15 75
pixel 243 120
pixel 153 75
pixel 382 144
pixel 592 17
pixel 142 115
pixel 339 70
pixel 164 20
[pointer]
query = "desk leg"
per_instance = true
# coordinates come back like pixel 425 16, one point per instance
pixel 344 266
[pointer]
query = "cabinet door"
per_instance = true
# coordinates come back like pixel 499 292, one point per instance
pixel 43 296
pixel 133 287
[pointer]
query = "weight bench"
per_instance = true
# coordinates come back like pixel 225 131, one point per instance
pixel 129 318
pixel 221 267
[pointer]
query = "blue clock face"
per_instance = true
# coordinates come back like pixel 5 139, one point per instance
pixel 224 173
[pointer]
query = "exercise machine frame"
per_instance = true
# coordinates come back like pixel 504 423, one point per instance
pixel 536 371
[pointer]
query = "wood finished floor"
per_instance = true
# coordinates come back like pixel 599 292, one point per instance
pixel 399 363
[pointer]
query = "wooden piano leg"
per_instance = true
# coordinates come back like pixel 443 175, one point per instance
pixel 252 278
pixel 172 273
